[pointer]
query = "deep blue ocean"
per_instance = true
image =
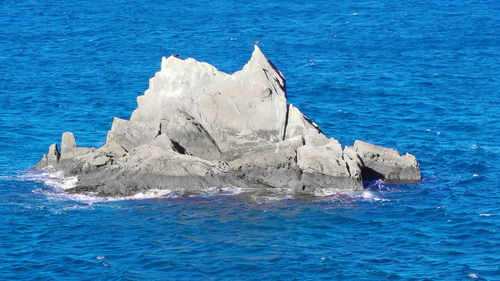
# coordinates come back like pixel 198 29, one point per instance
pixel 419 76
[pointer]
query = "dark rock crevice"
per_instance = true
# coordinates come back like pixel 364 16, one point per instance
pixel 369 174
pixel 286 121
pixel 178 148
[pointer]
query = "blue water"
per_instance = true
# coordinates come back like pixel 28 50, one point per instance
pixel 420 76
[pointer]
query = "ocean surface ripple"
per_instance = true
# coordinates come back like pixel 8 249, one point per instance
pixel 422 76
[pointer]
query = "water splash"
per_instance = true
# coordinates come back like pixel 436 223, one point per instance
pixel 57 186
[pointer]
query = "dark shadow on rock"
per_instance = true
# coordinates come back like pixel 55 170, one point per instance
pixel 179 148
pixel 369 174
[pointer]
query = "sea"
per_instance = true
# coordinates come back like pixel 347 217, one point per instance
pixel 419 76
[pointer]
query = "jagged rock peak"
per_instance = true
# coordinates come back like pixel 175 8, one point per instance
pixel 228 107
pixel 259 62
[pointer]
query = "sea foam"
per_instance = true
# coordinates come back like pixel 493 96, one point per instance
pixel 57 185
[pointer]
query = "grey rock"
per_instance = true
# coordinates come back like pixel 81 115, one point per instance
pixel 69 149
pixel 189 136
pixel 272 165
pixel 197 128
pixel 68 142
pixel 127 134
pixel 49 159
pixel 325 167
pixel 386 163
pixel 299 125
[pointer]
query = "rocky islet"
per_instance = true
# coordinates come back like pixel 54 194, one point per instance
pixel 197 128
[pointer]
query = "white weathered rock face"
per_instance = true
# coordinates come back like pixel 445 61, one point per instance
pixel 197 127
pixel 230 108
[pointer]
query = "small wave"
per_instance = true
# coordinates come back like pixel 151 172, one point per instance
pixel 369 196
pixel 473 276
pixel 365 195
pixel 91 198
pixel 51 178
pixel 377 185
pixel 211 191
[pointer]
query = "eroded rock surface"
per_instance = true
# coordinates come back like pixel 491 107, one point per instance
pixel 386 163
pixel 197 127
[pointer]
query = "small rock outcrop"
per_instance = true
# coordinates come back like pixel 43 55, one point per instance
pixel 386 163
pixel 197 127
